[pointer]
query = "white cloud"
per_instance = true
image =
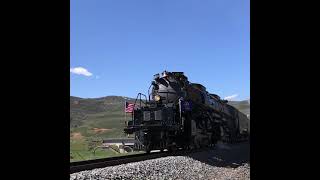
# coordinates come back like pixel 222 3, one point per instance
pixel 231 97
pixel 80 71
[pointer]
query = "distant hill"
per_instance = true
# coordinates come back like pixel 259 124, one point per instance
pixel 108 112
pixel 104 118
pixel 82 108
pixel 96 105
pixel 242 106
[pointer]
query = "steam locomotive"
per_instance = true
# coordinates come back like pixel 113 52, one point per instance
pixel 180 114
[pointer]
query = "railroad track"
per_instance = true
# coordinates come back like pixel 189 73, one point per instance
pixel 112 161
pixel 104 162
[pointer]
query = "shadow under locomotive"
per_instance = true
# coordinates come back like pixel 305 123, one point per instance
pixel 232 156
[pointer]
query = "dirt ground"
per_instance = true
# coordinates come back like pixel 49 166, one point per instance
pixel 100 130
pixel 76 136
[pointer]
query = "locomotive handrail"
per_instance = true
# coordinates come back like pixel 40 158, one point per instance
pixel 149 91
pixel 139 95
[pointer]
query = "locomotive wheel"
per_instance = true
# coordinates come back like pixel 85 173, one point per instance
pixel 197 144
pixel 162 146
pixel 172 149
pixel 148 149
pixel 186 147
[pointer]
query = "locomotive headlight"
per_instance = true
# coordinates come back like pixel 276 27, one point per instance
pixel 157 98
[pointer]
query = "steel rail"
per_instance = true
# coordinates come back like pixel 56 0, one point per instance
pixel 112 161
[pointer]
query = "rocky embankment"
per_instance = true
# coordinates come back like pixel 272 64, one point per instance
pixel 222 162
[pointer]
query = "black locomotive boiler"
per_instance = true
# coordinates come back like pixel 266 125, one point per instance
pixel 180 114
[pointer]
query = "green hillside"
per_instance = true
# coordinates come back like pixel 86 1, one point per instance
pixel 94 119
pixel 242 106
pixel 89 115
pixel 106 113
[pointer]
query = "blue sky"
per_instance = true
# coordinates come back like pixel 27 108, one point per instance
pixel 121 44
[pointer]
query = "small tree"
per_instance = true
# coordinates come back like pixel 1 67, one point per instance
pixel 93 142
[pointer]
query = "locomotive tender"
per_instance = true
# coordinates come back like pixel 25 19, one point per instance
pixel 180 114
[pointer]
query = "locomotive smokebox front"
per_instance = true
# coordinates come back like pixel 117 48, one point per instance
pixel 168 89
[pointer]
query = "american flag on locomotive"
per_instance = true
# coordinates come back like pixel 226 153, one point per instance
pixel 129 107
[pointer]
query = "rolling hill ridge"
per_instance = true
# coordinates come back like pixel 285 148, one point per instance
pixel 93 111
pixel 94 119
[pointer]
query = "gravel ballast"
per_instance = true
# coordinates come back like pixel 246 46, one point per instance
pixel 223 162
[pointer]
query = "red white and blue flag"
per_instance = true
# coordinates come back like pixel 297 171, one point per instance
pixel 129 107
